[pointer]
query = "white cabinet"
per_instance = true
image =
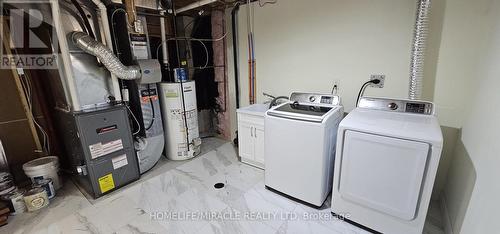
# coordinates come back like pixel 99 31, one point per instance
pixel 259 143
pixel 251 137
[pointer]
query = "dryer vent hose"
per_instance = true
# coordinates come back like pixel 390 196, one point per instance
pixel 418 49
pixel 106 56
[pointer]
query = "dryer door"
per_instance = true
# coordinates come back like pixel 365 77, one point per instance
pixel 383 173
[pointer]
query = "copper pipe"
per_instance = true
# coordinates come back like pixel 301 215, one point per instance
pixel 250 81
pixel 254 80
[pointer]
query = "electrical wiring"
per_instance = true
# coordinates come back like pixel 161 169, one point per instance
pixel 28 92
pixel 363 87
pixel 86 22
pixel 135 119
pixel 362 91
pixel 206 52
pixel 123 11
pixel 201 42
pixel 335 89
pixel 199 39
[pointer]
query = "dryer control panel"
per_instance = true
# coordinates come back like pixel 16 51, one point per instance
pixel 397 105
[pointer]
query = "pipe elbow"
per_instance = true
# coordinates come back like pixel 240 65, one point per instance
pixel 106 56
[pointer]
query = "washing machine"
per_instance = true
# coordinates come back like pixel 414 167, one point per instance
pixel 299 147
pixel 388 153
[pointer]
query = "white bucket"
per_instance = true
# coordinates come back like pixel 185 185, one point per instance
pixel 44 168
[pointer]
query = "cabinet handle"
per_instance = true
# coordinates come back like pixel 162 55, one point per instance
pixel 251 131
pixel 255 132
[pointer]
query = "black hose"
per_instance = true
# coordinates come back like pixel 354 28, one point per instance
pixel 152 112
pixel 273 102
pixel 88 28
pixel 234 13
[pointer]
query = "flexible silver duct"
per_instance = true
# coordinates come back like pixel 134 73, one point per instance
pixel 418 49
pixel 106 56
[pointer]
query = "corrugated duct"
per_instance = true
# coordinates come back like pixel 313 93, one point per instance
pixel 106 56
pixel 418 49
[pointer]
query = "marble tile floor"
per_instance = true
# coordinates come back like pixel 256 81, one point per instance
pixel 181 198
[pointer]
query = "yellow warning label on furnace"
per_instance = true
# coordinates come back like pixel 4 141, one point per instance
pixel 106 183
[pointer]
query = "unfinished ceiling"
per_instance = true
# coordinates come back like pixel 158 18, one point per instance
pixel 178 4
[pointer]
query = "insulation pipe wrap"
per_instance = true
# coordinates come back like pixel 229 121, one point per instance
pixel 418 49
pixel 110 61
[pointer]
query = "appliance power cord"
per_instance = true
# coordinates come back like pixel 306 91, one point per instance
pixel 363 87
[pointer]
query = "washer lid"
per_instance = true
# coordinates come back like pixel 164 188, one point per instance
pixel 304 109
pixel 313 107
pixel 312 113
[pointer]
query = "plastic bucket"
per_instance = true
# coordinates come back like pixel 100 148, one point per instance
pixel 44 168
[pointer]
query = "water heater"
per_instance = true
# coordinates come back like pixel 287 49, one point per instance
pixel 180 120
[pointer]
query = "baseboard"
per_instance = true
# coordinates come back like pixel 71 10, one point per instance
pixel 252 163
pixel 448 228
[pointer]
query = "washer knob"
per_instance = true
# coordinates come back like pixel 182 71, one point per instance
pixel 392 106
pixel 312 98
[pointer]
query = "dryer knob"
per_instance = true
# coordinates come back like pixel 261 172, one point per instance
pixel 392 106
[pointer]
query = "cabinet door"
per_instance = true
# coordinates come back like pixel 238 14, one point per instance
pixel 245 140
pixel 259 143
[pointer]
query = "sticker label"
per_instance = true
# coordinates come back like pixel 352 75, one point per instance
pixel 119 161
pixel 38 202
pixel 99 149
pixel 148 94
pixel 171 93
pixel 106 183
pixel 139 46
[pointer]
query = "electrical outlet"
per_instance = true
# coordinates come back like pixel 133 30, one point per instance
pixel 335 87
pixel 381 78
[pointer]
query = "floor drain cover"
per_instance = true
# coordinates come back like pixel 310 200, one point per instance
pixel 219 185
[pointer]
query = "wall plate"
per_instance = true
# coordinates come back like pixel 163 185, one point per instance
pixel 381 78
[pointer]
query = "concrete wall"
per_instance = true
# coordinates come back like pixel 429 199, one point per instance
pixel 463 31
pixel 458 188
pixel 473 205
pixel 467 92
pixel 307 45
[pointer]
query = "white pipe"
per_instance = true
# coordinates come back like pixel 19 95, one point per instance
pixel 164 48
pixel 194 5
pixel 68 80
pixel 104 24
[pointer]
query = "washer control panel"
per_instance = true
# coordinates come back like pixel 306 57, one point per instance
pixel 315 98
pixel 397 105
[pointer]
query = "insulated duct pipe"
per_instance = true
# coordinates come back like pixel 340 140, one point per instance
pixel 110 61
pixel 104 23
pixel 418 49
